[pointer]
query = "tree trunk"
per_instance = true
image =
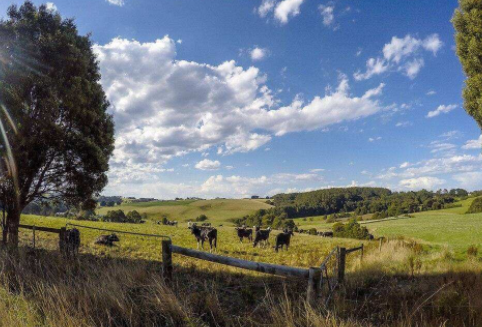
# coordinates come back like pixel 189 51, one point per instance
pixel 13 220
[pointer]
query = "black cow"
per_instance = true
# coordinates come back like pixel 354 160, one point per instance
pixel 262 236
pixel 283 239
pixel 107 240
pixel 327 234
pixel 205 233
pixel 244 233
pixel 371 237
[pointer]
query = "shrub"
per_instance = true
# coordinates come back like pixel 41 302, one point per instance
pixel 133 217
pixel 202 217
pixel 351 230
pixel 312 231
pixel 476 206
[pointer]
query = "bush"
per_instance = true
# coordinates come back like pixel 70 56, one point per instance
pixel 133 217
pixel 118 216
pixel 201 218
pixel 351 230
pixel 476 206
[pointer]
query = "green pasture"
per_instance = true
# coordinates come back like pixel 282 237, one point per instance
pixel 305 250
pixel 218 211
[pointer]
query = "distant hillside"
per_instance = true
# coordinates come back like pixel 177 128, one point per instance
pixel 182 210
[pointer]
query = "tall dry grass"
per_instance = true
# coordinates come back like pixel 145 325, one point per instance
pixel 39 288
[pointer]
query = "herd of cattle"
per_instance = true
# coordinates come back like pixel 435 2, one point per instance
pixel 206 233
pixel 256 235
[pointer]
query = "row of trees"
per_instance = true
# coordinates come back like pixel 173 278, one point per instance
pixel 361 201
pixel 267 217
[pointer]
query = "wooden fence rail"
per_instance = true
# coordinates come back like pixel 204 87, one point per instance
pixel 313 275
pixel 61 231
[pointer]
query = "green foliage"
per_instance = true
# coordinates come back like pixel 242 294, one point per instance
pixel 133 217
pixel 468 39
pixel 476 206
pixel 312 231
pixel 352 229
pixel 118 216
pixel 50 85
pixel 200 218
pixel 358 201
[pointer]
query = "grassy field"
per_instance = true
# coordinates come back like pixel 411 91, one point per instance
pixel 220 210
pixel 305 251
pixel 402 284
pixel 450 228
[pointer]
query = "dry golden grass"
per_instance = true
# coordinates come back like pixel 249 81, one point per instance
pixel 94 290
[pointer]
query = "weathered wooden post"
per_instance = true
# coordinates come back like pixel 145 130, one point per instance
pixel 62 234
pixel 33 232
pixel 167 260
pixel 380 246
pixel 341 265
pixel 314 292
pixel 362 248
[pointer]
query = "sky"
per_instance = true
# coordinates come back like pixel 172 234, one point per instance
pixel 236 98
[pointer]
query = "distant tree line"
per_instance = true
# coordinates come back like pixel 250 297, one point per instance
pixel 363 200
pixel 345 202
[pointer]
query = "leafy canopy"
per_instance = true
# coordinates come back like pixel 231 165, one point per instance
pixel 62 136
pixel 467 22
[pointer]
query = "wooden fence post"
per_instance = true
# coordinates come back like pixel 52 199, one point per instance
pixel 314 292
pixel 33 232
pixel 341 265
pixel 62 234
pixel 380 246
pixel 362 249
pixel 167 260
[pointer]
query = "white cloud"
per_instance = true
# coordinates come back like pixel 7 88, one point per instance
pixel 327 14
pixel 119 3
pixel 266 7
pixel 404 124
pixel 401 54
pixel 424 182
pixel 432 43
pixel 51 6
pixel 405 164
pixel 373 67
pixel 164 107
pixel 412 68
pixel 207 164
pixel 317 170
pixel 258 54
pixel 473 144
pixel 431 92
pixel 442 109
pixel 373 139
pixel 469 180
pixel 287 9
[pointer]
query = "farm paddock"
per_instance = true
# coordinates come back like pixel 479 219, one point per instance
pixel 406 283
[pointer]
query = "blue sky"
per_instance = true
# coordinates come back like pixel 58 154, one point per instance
pixel 234 98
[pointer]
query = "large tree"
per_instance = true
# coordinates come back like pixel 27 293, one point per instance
pixel 467 21
pixel 57 134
